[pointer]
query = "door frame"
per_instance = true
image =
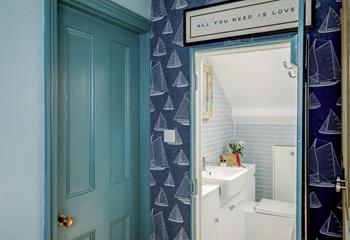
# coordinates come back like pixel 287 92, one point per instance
pixel 298 56
pixel 122 17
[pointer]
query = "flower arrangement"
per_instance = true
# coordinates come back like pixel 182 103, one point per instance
pixel 237 147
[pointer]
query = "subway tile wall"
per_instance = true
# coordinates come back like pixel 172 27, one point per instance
pixel 218 130
pixel 260 139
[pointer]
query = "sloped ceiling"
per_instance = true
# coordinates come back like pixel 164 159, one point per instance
pixel 256 83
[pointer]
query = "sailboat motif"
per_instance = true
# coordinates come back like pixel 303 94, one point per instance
pixel 178 139
pixel 151 227
pixel 158 84
pixel 160 49
pixel 169 181
pixel 158 227
pixel 213 1
pixel 161 123
pixel 161 200
pixel 332 227
pixel 180 81
pixel 318 4
pixel 151 34
pixel 181 159
pixel 331 125
pixel 158 10
pixel 324 68
pixel 182 115
pixel 168 28
pixel 158 158
pixel 179 4
pixel 151 153
pixel 323 165
pixel 175 215
pixel 314 103
pixel 340 205
pixel 183 193
pixel 182 235
pixel 314 202
pixel 179 38
pixel 152 182
pixel 339 102
pixel 168 105
pixel 331 22
pixel 174 60
pixel 151 107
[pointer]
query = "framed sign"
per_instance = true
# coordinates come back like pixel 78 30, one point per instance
pixel 244 17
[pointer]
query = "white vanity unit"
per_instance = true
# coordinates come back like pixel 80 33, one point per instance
pixel 229 210
pixel 225 192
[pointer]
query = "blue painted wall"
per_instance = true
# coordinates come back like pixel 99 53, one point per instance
pixel 141 7
pixel 22 114
pixel 21 121
pixel 169 60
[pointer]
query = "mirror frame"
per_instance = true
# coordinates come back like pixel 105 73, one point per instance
pixel 207 70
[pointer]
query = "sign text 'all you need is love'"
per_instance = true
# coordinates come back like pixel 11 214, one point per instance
pixel 242 18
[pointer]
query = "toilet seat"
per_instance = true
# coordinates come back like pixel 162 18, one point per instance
pixel 276 208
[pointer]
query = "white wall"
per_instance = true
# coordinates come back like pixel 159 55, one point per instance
pixel 257 84
pixel 141 7
pixel 21 119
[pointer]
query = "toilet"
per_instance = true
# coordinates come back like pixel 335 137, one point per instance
pixel 270 219
pixel 275 219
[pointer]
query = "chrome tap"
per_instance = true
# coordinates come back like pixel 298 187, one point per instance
pixel 203 164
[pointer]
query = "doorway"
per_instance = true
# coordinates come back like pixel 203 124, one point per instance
pixel 246 142
pixel 97 163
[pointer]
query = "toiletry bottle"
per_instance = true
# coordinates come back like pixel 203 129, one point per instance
pixel 223 163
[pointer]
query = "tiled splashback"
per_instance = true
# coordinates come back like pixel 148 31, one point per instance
pixel 260 139
pixel 219 129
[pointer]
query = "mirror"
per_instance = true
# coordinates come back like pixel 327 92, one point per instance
pixel 207 91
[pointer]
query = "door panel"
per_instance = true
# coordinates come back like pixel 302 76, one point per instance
pixel 79 114
pixel 98 135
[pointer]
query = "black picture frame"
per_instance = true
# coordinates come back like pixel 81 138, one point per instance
pixel 243 36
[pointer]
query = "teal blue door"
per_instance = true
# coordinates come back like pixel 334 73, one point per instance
pixel 98 129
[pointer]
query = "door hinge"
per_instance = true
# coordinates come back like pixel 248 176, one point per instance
pixel 339 184
pixel 194 187
pixel 196 82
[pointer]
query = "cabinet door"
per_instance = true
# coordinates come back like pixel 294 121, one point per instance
pixel 231 222
pixel 209 228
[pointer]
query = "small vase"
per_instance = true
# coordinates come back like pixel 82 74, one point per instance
pixel 238 158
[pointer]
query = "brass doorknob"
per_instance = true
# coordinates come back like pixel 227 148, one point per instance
pixel 65 221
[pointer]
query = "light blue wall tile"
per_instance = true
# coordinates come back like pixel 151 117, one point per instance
pixel 260 139
pixel 218 130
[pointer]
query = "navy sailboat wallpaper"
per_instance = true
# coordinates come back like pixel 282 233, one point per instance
pixel 170 109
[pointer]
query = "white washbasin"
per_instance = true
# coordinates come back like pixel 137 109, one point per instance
pixel 230 179
pixel 208 189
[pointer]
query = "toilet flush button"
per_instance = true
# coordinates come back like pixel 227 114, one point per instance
pixel 169 136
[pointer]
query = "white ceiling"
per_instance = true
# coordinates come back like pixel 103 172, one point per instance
pixel 256 83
